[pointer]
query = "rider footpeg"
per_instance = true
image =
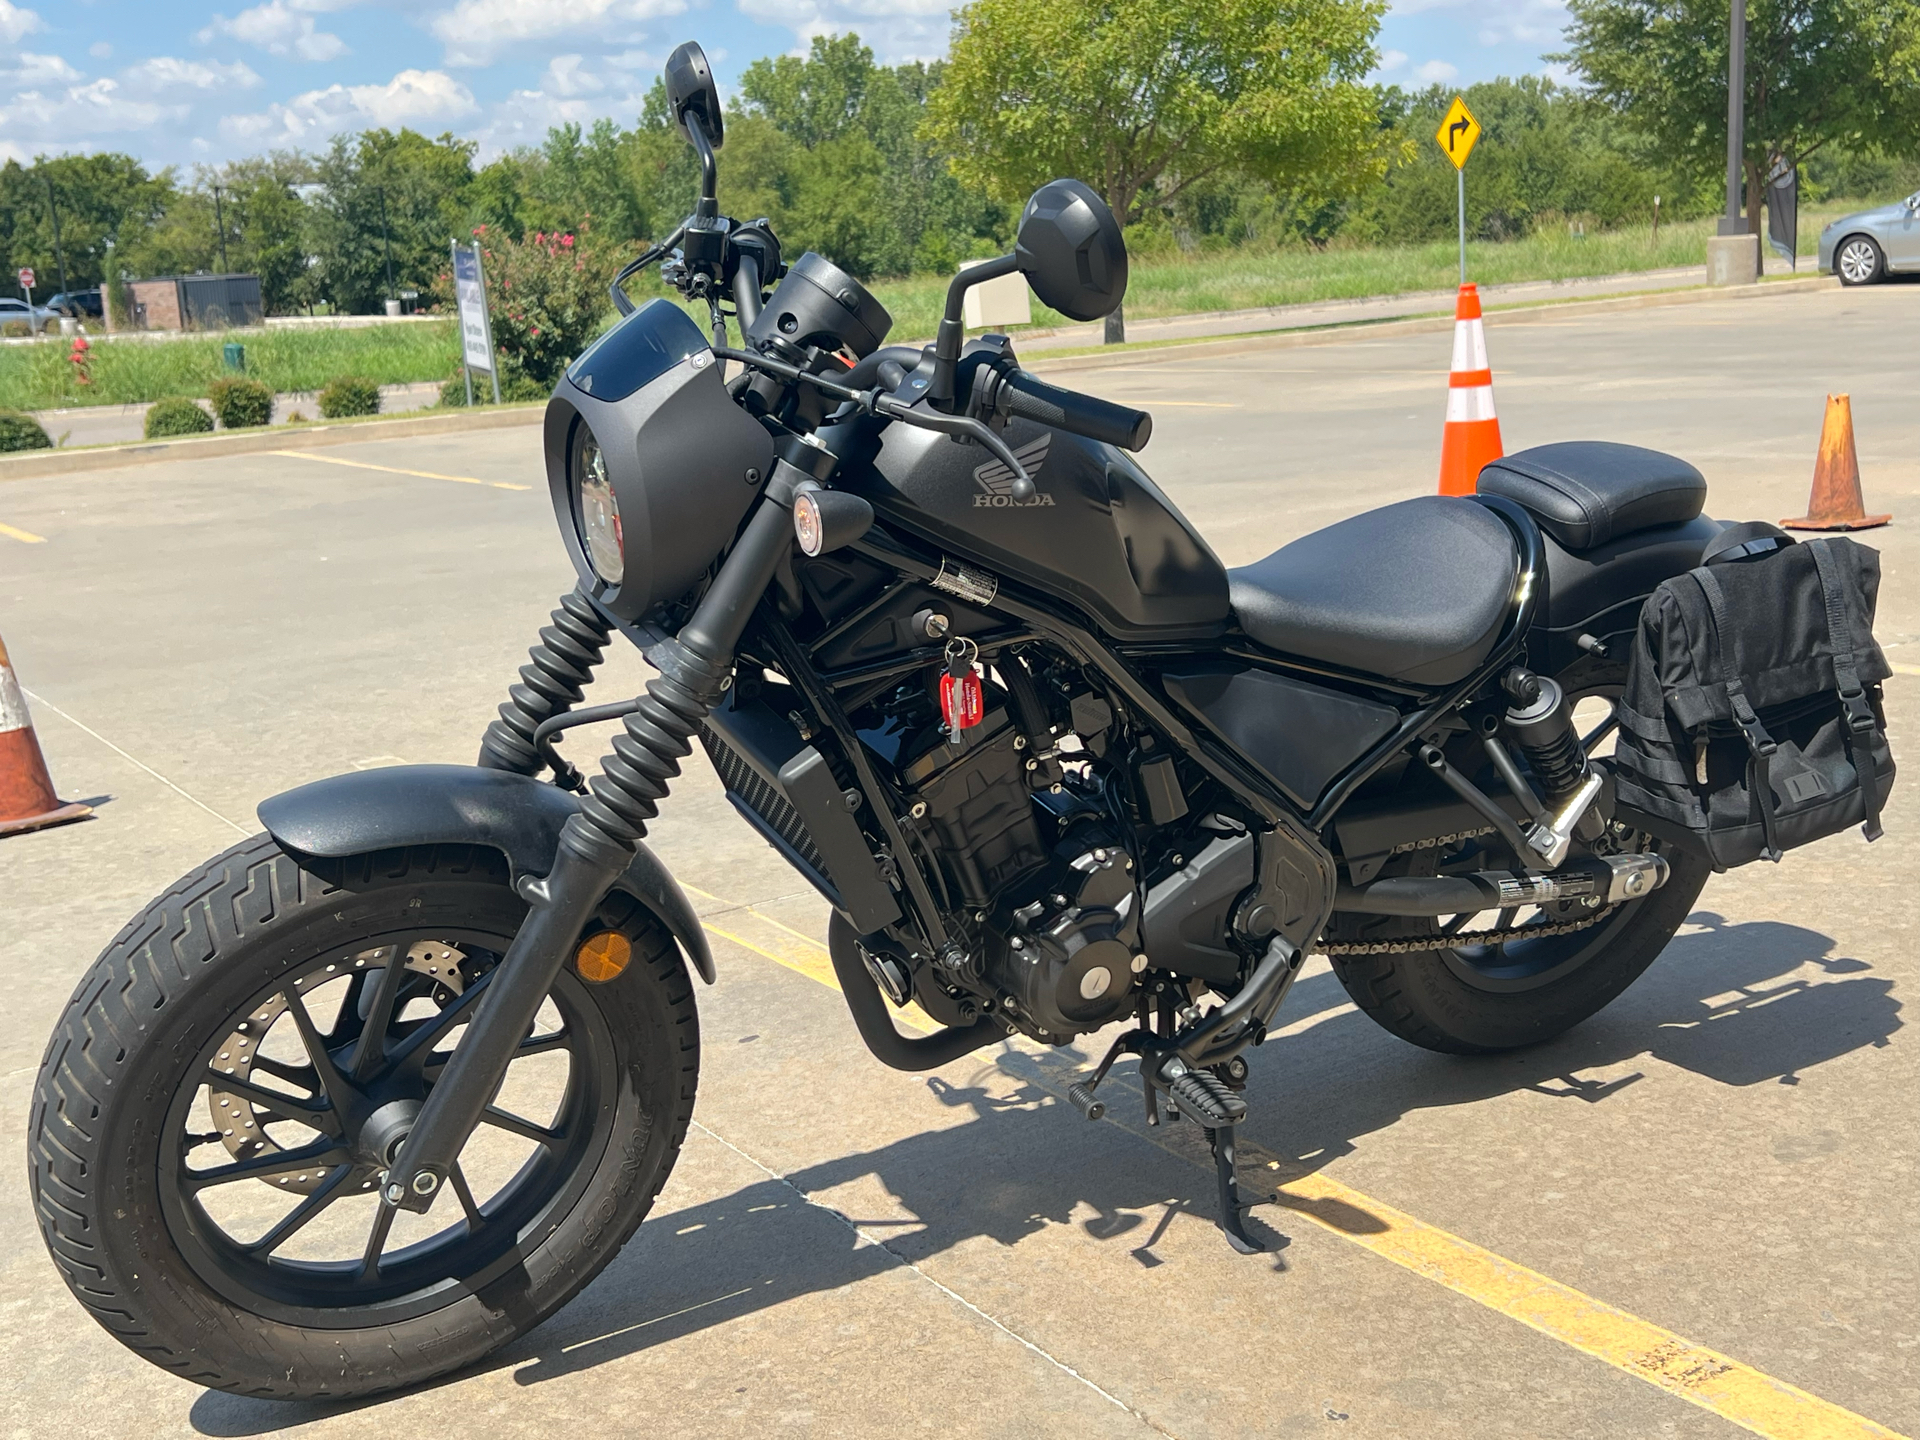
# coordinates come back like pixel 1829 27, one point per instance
pixel 1201 1096
pixel 1086 1102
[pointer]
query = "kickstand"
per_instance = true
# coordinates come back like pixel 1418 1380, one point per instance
pixel 1233 1214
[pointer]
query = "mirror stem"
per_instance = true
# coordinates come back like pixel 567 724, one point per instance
pixel 709 167
pixel 953 334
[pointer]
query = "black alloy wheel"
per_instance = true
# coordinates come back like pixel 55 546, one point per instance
pixel 220 1102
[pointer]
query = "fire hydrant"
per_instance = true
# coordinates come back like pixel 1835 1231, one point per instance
pixel 81 358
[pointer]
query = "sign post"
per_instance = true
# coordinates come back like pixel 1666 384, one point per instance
pixel 476 327
pixel 26 284
pixel 1457 135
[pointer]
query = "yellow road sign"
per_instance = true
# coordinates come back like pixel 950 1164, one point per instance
pixel 1458 132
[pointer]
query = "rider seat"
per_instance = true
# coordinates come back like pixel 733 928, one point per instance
pixel 1416 591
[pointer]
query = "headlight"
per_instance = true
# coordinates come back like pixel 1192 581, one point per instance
pixel 597 512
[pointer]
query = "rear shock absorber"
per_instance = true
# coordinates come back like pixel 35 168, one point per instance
pixel 1541 723
pixel 561 668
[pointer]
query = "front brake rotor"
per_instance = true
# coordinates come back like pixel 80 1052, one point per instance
pixel 242 1128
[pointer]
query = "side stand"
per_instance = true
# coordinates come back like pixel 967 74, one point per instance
pixel 1233 1212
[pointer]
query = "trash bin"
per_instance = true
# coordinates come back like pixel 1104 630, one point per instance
pixel 234 355
pixel 393 309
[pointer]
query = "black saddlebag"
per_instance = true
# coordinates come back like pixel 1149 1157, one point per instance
pixel 1752 720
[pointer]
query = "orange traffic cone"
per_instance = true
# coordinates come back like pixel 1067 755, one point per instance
pixel 27 801
pixel 1472 436
pixel 1835 503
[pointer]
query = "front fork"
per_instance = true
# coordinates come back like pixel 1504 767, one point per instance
pixel 598 841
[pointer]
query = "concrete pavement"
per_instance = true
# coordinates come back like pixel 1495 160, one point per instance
pixel 1727 1152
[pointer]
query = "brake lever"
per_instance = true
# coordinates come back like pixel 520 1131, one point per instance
pixel 878 402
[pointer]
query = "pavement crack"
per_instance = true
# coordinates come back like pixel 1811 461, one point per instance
pixel 863 1234
pixel 47 704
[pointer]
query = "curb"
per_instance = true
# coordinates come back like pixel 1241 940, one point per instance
pixel 1340 331
pixel 286 437
pixel 253 442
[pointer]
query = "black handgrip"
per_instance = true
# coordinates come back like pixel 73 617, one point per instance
pixel 1034 399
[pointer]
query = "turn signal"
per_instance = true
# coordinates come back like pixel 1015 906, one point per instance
pixel 825 520
pixel 603 957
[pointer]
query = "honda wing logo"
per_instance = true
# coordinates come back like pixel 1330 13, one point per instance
pixel 996 479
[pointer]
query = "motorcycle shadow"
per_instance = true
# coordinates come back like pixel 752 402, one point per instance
pixel 1737 1004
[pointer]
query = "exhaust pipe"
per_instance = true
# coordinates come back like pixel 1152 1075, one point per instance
pixel 1595 880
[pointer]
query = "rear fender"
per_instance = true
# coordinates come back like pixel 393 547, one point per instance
pixel 1599 592
pixel 402 805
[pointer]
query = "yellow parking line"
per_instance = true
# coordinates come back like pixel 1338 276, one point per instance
pixel 395 469
pixel 25 537
pixel 1748 1397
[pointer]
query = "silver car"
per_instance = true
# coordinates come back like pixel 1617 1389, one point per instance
pixel 35 318
pixel 1861 248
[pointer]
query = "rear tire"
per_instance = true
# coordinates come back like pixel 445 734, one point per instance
pixel 124 1092
pixel 1431 1000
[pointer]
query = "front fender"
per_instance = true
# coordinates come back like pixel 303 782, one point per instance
pixel 402 805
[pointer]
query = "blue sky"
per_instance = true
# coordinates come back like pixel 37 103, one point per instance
pixel 180 82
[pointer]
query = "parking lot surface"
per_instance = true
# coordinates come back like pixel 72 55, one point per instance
pixel 1691 1216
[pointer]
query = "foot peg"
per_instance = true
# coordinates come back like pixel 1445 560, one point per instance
pixel 1202 1097
pixel 1086 1102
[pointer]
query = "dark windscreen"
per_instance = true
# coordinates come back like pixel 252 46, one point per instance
pixel 644 346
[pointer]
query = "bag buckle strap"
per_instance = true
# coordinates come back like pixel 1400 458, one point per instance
pixel 1758 740
pixel 1860 717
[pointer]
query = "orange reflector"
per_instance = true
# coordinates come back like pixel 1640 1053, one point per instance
pixel 602 957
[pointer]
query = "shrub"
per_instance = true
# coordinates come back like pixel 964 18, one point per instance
pixel 176 417
pixel 514 389
pixel 16 329
pixel 547 296
pixel 239 403
pixel 22 432
pixel 346 395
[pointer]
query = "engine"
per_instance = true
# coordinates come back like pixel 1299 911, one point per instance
pixel 1046 891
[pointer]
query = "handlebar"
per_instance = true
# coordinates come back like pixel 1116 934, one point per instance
pixel 1031 398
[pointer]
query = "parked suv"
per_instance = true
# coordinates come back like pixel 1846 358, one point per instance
pixel 77 304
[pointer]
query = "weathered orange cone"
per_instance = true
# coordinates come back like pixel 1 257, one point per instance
pixel 1472 437
pixel 1836 503
pixel 27 801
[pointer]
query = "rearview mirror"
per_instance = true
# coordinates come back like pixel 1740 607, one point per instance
pixel 1070 248
pixel 691 91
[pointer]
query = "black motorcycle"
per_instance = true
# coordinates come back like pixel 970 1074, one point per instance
pixel 382 1088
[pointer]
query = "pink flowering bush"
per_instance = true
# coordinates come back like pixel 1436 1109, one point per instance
pixel 547 295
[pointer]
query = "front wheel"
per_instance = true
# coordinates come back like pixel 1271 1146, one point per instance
pixel 223 1094
pixel 1858 261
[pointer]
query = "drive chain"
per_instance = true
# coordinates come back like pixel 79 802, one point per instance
pixel 1415 944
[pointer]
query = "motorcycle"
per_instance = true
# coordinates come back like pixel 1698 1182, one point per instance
pixel 378 1090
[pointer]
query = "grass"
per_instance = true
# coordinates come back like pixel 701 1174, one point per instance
pixel 37 377
pixel 1254 279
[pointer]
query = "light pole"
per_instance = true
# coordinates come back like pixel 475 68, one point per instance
pixel 220 225
pixel 53 212
pixel 1730 223
pixel 386 244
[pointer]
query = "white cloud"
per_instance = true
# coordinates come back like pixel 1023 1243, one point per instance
pixel 573 90
pixel 164 73
pixel 1528 21
pixel 100 50
pixel 98 107
pixel 413 97
pixel 1434 72
pixel 32 72
pixel 1390 60
pixel 476 32
pixel 895 30
pixel 278 28
pixel 16 22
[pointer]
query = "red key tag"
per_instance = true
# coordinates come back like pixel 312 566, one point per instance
pixel 962 703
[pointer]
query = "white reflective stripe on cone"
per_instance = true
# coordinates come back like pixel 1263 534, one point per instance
pixel 13 705
pixel 1469 345
pixel 1470 402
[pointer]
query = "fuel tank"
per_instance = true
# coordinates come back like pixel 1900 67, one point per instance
pixel 1097 533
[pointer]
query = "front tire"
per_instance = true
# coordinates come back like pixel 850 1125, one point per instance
pixel 206 1142
pixel 1858 261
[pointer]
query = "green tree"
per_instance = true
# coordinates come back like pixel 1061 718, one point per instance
pixel 1145 99
pixel 385 193
pixel 105 201
pixel 1819 72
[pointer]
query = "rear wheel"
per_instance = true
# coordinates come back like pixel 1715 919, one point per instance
pixel 218 1106
pixel 1858 261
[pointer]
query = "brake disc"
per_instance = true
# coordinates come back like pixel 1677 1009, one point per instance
pixel 242 1127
